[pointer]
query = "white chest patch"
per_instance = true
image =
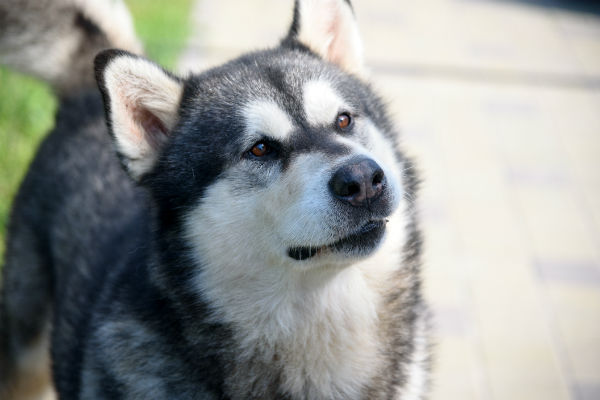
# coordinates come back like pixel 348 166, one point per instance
pixel 266 117
pixel 326 337
pixel 321 102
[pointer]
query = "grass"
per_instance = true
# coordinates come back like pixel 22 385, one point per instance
pixel 163 26
pixel 27 106
pixel 26 113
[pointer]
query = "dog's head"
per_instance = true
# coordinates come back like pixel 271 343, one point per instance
pixel 282 157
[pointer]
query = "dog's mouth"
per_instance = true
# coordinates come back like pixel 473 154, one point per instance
pixel 360 243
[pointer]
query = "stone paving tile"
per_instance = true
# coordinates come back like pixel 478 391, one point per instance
pixel 451 321
pixel 577 321
pixel 569 272
pixel 458 362
pixel 555 223
pixel 581 145
pixel 518 348
pixel 582 33
pixel 586 391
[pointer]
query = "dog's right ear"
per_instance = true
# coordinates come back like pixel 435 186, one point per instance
pixel 328 28
pixel 141 102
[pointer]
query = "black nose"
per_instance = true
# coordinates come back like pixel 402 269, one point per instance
pixel 359 182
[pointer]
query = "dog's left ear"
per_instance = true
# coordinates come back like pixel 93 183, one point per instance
pixel 141 102
pixel 329 29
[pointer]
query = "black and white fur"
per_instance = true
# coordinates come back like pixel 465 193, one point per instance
pixel 211 272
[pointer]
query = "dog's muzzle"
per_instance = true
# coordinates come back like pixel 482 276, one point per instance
pixel 361 242
pixel 360 187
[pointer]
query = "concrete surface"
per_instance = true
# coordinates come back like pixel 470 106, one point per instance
pixel 499 102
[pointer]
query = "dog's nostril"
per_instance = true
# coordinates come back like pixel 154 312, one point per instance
pixel 352 189
pixel 378 177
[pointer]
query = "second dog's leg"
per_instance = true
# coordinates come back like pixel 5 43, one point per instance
pixel 25 312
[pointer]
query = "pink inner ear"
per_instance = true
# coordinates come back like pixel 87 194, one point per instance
pixel 330 30
pixel 344 49
pixel 155 131
pixel 338 49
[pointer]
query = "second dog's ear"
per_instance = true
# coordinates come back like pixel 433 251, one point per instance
pixel 329 29
pixel 141 102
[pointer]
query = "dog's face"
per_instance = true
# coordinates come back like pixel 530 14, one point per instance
pixel 277 158
pixel 306 175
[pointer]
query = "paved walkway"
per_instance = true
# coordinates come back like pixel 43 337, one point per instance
pixel 499 101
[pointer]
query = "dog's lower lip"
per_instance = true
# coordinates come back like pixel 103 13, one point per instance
pixel 369 226
pixel 304 253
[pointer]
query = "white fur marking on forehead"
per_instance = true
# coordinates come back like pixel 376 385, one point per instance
pixel 266 117
pixel 321 103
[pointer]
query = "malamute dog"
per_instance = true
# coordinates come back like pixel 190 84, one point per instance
pixel 242 233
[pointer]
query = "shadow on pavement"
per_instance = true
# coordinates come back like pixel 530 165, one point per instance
pixel 584 6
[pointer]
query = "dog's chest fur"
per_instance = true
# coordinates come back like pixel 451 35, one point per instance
pixel 321 343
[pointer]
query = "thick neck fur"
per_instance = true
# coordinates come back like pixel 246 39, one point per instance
pixel 317 332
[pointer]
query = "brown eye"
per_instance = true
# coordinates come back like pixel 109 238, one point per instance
pixel 343 121
pixel 260 149
pixel 264 150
